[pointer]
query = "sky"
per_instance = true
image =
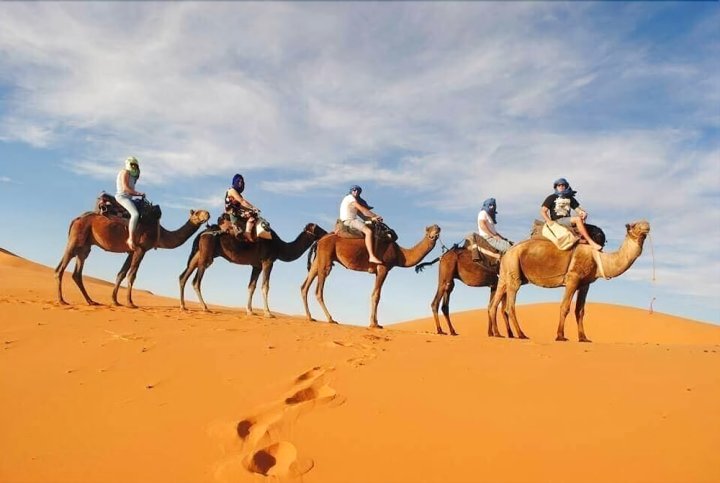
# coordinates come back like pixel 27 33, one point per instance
pixel 431 107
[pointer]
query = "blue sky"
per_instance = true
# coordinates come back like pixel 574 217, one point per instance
pixel 431 107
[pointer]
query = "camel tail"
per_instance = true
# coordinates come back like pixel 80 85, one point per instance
pixel 311 254
pixel 419 268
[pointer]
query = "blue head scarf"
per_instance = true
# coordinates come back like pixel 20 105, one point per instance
pixel 358 198
pixel 238 182
pixel 490 206
pixel 567 192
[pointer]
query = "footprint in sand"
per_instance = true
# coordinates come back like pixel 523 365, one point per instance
pixel 260 446
pixel 279 459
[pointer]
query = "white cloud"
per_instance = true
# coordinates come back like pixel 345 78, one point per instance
pixel 456 101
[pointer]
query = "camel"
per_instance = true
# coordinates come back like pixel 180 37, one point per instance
pixel 351 253
pixel 168 240
pixel 539 262
pixel 261 255
pixel 457 263
pixel 110 234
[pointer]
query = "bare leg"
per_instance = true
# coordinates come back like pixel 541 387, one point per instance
pixel 580 312
pixel 382 273
pixel 580 224
pixel 369 247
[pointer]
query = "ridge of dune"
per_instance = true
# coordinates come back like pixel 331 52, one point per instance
pixel 157 394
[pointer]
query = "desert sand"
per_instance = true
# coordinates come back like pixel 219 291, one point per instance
pixel 112 394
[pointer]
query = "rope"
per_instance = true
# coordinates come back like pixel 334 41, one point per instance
pixel 652 254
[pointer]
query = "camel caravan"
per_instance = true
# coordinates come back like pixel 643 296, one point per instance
pixel 561 251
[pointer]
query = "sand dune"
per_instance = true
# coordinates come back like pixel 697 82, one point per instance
pixel 111 394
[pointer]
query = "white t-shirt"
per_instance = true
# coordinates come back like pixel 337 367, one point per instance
pixel 483 215
pixel 347 209
pixel 119 182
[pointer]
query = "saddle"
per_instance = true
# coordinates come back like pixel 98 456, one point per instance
pixel 107 205
pixel 477 244
pixel 381 232
pixel 595 232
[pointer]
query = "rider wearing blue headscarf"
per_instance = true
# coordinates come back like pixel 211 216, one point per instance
pixel 557 208
pixel 239 208
pixel 486 220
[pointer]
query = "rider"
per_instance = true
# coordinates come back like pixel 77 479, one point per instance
pixel 126 179
pixel 486 221
pixel 239 208
pixel 349 207
pixel 558 205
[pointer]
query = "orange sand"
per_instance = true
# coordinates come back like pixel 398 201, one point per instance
pixel 103 394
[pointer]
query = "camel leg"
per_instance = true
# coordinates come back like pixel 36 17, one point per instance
pixel 197 283
pixel 305 287
pixel 503 311
pixel 570 289
pixel 267 270
pixel 137 258
pixel 493 290
pixel 445 307
pixel 184 276
pixel 440 294
pixel 492 311
pixel 380 276
pixel 60 271
pixel 511 297
pixel 323 273
pixel 580 312
pixel 254 275
pixel 120 277
pixel 82 254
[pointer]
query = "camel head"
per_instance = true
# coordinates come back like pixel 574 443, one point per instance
pixel 432 232
pixel 199 217
pixel 638 231
pixel 315 231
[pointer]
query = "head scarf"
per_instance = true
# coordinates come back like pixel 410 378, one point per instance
pixel 490 207
pixel 358 198
pixel 238 182
pixel 133 166
pixel 567 192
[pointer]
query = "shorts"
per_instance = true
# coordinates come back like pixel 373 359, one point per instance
pixel 499 244
pixel 565 221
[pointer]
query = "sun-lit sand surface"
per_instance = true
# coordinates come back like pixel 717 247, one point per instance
pixel 111 394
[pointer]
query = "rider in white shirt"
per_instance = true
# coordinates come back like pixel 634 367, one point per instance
pixel 349 208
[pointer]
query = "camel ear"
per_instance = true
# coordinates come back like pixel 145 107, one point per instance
pixel 627 227
pixel 192 212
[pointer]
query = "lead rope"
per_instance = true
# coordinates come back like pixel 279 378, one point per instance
pixel 598 261
pixel 652 255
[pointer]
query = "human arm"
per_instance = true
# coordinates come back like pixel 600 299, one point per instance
pixel 366 212
pixel 545 213
pixel 580 211
pixel 240 199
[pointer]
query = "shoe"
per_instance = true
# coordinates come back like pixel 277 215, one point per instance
pixel 375 260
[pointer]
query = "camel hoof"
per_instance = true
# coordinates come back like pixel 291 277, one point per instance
pixel 92 302
pixel 523 336
pixel 584 339
pixel 331 321
pixel 561 339
pixel 440 332
pixel 269 315
pixel 452 332
pixel 132 306
pixel 62 302
pixel 376 326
